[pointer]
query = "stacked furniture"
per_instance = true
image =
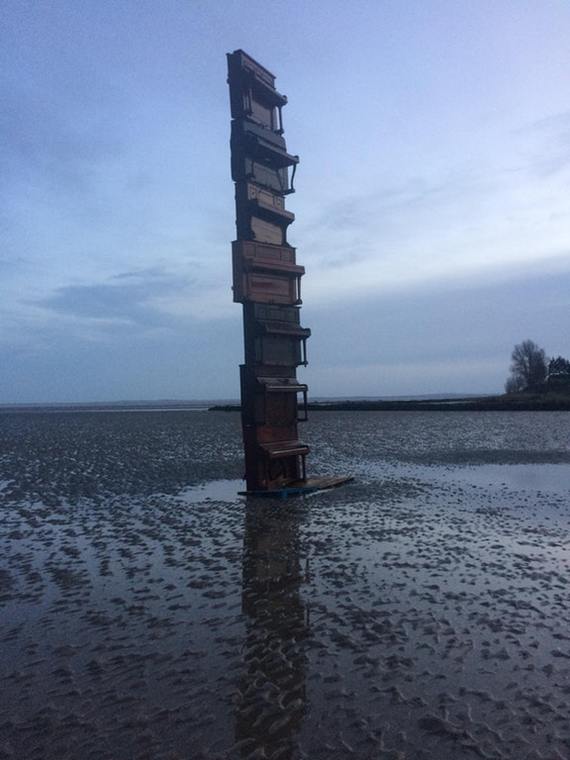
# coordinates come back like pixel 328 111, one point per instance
pixel 267 281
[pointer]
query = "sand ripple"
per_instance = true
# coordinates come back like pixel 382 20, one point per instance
pixel 416 613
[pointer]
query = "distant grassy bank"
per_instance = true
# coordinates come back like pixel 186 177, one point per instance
pixel 515 402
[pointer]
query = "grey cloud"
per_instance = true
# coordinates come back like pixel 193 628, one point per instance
pixel 125 296
pixel 558 121
pixel 346 260
pixel 358 212
pixel 145 277
pixel 12 263
pixel 449 323
pixel 551 154
pixel 546 152
pixel 128 365
pixel 41 140
pixel 557 160
pixel 457 327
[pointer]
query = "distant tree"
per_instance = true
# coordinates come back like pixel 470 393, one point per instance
pixel 558 366
pixel 528 368
pixel 559 373
pixel 513 385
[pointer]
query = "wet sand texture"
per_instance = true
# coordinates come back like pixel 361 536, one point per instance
pixel 420 612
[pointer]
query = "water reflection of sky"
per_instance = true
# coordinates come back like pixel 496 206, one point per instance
pixel 214 490
pixel 517 477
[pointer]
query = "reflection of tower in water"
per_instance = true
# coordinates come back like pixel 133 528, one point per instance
pixel 271 702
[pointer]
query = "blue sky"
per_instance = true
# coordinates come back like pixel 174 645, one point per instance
pixel 432 196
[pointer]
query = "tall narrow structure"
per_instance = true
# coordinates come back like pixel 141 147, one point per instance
pixel 266 280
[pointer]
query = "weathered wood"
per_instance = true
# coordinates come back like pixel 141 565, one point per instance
pixel 301 487
pixel 267 281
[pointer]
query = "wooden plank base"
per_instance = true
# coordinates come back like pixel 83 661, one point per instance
pixel 300 487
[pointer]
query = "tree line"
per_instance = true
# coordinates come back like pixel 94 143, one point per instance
pixel 532 371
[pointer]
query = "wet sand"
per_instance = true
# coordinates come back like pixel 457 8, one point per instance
pixel 422 611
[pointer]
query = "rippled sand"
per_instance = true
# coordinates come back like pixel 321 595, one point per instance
pixel 420 612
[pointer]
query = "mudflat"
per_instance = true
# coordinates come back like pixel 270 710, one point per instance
pixel 421 611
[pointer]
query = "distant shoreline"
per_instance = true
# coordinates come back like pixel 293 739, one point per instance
pixel 100 408
pixel 555 402
pixel 512 403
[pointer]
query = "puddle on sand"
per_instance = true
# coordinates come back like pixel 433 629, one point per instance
pixel 517 477
pixel 213 490
pixel 227 491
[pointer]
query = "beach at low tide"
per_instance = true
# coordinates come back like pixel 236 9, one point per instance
pixel 421 611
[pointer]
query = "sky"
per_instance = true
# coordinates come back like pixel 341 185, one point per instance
pixel 432 205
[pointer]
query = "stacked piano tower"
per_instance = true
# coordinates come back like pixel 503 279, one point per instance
pixel 267 281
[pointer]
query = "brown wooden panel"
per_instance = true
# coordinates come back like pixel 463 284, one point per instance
pixel 278 350
pixel 269 288
pixel 276 371
pixel 265 273
pixel 269 435
pixel 266 199
pixel 270 313
pixel 264 252
pixel 245 167
pixel 251 85
pixel 266 232
pixel 280 409
pixel 248 63
pixel 264 288
pixel 262 113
